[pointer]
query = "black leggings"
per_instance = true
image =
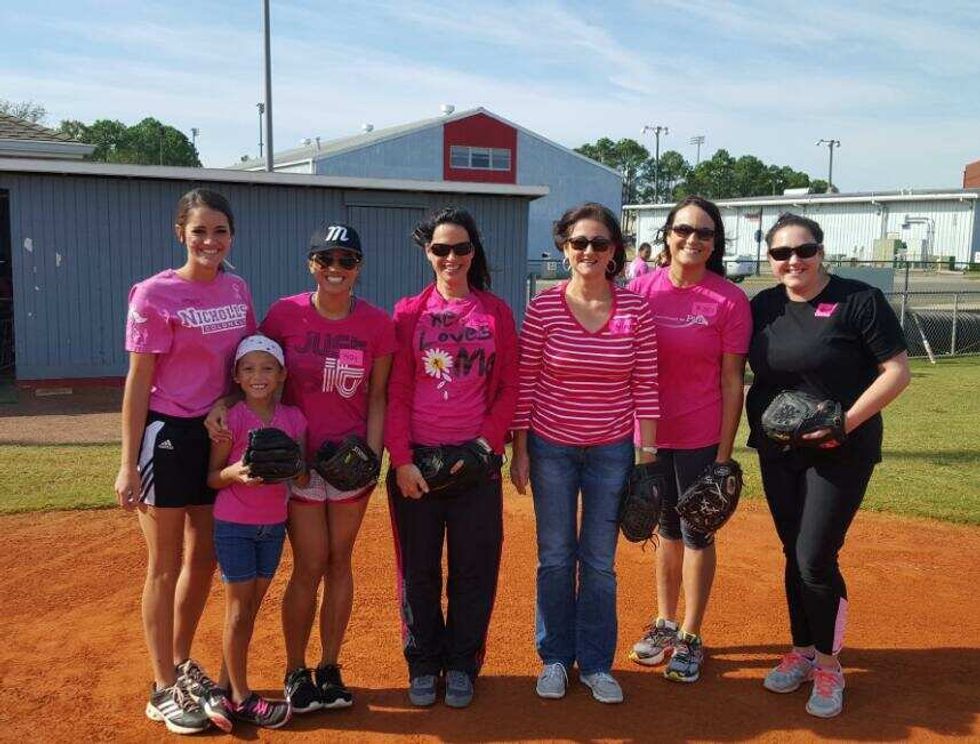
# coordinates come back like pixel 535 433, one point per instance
pixel 813 499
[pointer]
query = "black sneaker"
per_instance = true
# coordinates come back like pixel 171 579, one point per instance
pixel 259 711
pixel 177 710
pixel 204 692
pixel 302 694
pixel 333 691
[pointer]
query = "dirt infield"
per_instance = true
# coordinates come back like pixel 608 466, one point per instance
pixel 73 666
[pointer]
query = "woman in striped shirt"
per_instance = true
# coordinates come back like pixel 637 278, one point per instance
pixel 588 368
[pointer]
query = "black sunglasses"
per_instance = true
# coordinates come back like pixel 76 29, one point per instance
pixel 444 249
pixel 326 259
pixel 686 231
pixel 599 244
pixel 783 252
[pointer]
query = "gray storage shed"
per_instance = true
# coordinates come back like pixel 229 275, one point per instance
pixel 75 236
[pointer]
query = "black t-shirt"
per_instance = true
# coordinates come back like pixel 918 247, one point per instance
pixel 830 346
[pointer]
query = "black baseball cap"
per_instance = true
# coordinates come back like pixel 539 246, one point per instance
pixel 332 235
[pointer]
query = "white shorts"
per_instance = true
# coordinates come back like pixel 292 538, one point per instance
pixel 318 491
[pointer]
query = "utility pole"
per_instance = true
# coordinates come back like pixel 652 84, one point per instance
pixel 194 132
pixel 831 144
pixel 261 108
pixel 657 130
pixel 697 140
pixel 268 89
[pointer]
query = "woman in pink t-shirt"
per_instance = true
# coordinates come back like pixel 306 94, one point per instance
pixel 703 328
pixel 638 266
pixel 454 382
pixel 182 330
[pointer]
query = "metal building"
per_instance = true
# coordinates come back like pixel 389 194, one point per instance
pixel 474 145
pixel 932 224
pixel 78 235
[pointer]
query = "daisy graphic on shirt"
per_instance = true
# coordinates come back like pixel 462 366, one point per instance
pixel 438 364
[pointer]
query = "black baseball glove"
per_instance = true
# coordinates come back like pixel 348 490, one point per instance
pixel 273 455
pixel 348 466
pixel 640 502
pixel 711 500
pixel 455 465
pixel 793 413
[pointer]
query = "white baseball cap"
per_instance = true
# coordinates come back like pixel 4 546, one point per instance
pixel 260 343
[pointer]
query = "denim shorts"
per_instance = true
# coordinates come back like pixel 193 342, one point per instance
pixel 248 551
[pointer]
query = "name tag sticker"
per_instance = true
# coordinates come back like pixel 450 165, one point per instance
pixel 706 309
pixel 621 324
pixel 825 309
pixel 350 356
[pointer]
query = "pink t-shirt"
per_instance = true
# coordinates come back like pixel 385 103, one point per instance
pixel 265 504
pixel 637 268
pixel 194 329
pixel 696 325
pixel 329 363
pixel 455 350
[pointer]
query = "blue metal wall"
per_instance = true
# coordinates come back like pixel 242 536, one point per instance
pixel 413 156
pixel 80 242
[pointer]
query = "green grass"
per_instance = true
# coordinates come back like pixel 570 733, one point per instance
pixel 932 450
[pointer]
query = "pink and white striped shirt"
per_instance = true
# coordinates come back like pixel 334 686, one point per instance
pixel 580 388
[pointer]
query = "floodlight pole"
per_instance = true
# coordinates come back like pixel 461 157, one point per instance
pixel 831 144
pixel 657 130
pixel 268 89
pixel 261 108
pixel 697 140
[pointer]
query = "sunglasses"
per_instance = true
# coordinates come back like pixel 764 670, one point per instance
pixel 326 259
pixel 599 244
pixel 444 249
pixel 686 231
pixel 783 252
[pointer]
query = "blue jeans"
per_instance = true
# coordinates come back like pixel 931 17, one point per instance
pixel 248 551
pixel 577 623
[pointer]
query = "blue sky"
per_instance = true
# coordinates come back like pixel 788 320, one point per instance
pixel 898 82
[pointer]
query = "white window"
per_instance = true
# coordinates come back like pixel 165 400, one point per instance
pixel 479 158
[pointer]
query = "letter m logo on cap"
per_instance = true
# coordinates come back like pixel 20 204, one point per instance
pixel 335 233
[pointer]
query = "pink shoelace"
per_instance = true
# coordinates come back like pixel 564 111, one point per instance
pixel 826 681
pixel 792 660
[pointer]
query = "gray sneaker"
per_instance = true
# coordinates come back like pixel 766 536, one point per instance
pixel 604 687
pixel 422 690
pixel 552 681
pixel 459 689
pixel 685 664
pixel 827 698
pixel 792 671
pixel 656 644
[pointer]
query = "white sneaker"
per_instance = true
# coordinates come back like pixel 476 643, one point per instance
pixel 827 697
pixel 552 681
pixel 792 671
pixel 604 687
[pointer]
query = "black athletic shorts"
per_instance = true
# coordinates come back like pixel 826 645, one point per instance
pixel 173 462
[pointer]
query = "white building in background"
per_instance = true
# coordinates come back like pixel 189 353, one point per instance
pixel 865 226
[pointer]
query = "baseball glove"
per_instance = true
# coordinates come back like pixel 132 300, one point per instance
pixel 348 466
pixel 456 465
pixel 273 455
pixel 640 502
pixel 793 413
pixel 711 500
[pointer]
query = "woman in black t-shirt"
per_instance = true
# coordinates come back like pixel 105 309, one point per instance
pixel 836 339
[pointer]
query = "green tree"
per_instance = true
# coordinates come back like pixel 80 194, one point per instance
pixel 627 156
pixel 32 112
pixel 150 142
pixel 673 170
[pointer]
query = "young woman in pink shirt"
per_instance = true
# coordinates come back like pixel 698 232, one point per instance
pixel 182 330
pixel 453 381
pixel 703 329
pixel 588 369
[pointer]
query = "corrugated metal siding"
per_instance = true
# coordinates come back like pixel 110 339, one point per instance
pixel 91 238
pixel 850 229
pixel 416 156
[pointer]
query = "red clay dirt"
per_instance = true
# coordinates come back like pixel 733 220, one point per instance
pixel 73 666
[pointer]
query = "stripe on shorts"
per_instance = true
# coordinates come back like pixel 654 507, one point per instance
pixel 145 464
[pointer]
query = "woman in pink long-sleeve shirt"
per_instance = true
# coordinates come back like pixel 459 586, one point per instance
pixel 453 382
pixel 588 370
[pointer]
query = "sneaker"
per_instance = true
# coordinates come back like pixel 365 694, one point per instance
pixel 790 673
pixel 552 681
pixel 333 691
pixel 459 689
pixel 422 690
pixel 656 644
pixel 827 698
pixel 205 693
pixel 259 711
pixel 604 687
pixel 177 710
pixel 302 694
pixel 685 662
